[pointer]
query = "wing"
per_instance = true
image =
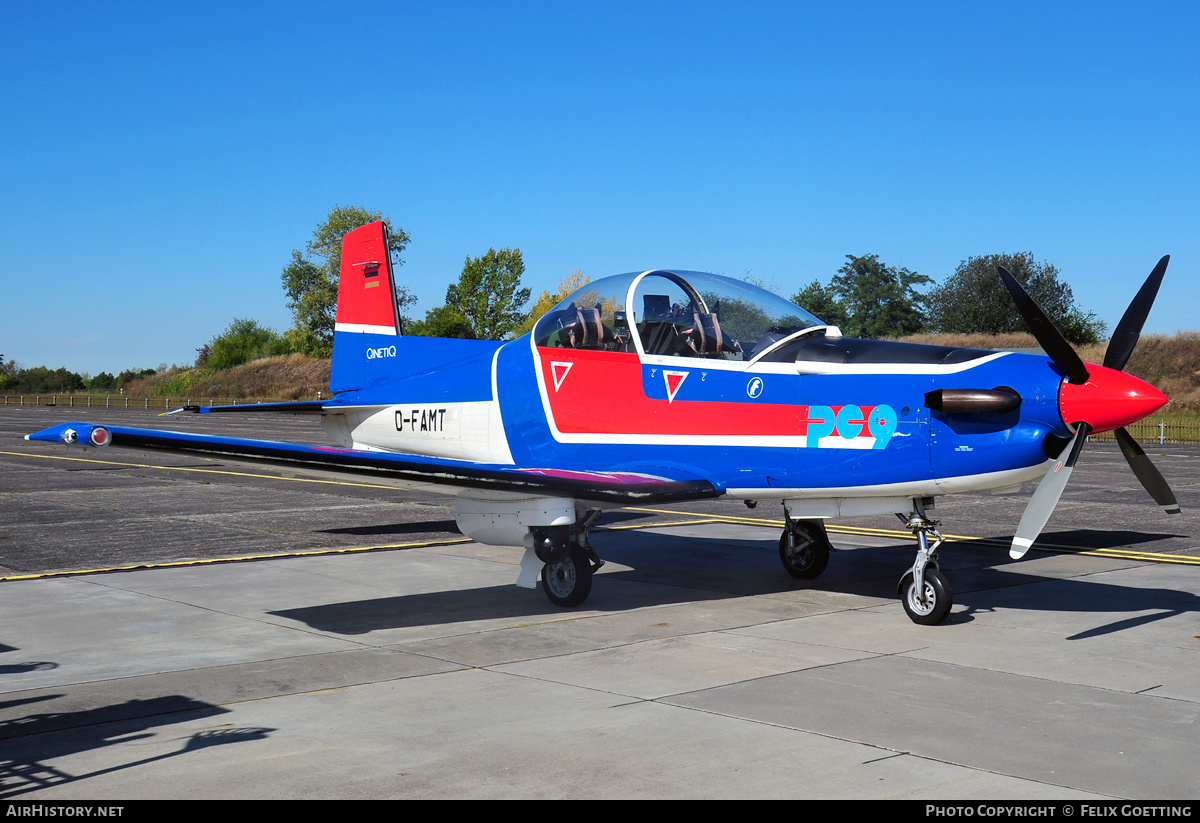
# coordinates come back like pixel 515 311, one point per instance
pixel 651 484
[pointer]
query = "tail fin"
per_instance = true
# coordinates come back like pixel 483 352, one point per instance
pixel 366 325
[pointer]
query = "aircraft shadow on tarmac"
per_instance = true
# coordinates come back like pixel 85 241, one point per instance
pixel 31 742
pixel 1099 538
pixel 422 527
pixel 669 569
pixel 21 668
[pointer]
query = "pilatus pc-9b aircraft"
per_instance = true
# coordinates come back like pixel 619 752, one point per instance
pixel 663 386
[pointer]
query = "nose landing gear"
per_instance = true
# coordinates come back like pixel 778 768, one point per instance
pixel 924 590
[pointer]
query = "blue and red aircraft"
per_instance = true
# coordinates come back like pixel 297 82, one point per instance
pixel 663 386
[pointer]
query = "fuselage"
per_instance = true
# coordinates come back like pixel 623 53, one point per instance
pixel 778 413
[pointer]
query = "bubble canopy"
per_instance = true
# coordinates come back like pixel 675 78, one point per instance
pixel 673 313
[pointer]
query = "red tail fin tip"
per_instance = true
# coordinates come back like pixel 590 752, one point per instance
pixel 366 294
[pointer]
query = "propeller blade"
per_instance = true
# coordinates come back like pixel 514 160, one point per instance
pixel 1045 498
pixel 1047 335
pixel 1146 472
pixel 1130 328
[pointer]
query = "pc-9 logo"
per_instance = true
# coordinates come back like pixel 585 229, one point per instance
pixel 850 422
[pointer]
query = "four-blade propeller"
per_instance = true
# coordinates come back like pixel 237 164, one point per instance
pixel 1094 398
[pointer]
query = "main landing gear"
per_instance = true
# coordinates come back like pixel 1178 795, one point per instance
pixel 924 591
pixel 804 548
pixel 569 561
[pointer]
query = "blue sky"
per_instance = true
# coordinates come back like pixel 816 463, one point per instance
pixel 159 162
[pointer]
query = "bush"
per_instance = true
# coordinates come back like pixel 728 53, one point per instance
pixel 132 374
pixel 241 342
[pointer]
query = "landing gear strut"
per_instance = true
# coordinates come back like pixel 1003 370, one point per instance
pixel 804 548
pixel 924 591
pixel 569 560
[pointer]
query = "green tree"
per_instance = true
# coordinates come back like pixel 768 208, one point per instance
pixel 241 342
pixel 43 380
pixel 444 321
pixel 103 381
pixel 819 301
pixel 312 284
pixel 881 300
pixel 488 293
pixel 973 300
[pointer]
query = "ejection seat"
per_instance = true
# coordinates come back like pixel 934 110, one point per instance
pixel 588 330
pixel 706 338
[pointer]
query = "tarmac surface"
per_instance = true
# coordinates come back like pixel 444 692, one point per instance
pixel 172 627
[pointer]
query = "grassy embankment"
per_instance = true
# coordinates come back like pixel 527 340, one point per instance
pixel 290 377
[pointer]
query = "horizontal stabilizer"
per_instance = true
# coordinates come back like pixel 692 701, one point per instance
pixel 300 407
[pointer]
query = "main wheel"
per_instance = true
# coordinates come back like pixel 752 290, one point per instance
pixel 568 582
pixel 935 605
pixel 804 549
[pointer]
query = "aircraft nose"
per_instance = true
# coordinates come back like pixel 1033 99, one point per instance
pixel 1109 399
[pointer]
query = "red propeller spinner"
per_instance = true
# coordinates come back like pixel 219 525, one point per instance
pixel 1108 400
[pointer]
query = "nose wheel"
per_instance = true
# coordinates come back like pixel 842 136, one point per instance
pixel 929 604
pixel 924 590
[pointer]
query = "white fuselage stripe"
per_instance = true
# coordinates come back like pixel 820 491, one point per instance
pixel 364 328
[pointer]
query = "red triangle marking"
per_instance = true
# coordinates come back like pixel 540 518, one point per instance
pixel 559 370
pixel 674 381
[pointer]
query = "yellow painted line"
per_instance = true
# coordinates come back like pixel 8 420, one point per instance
pixel 1149 557
pixel 247 558
pixel 664 525
pixel 200 471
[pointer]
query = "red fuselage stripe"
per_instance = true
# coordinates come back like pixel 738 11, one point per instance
pixel 603 394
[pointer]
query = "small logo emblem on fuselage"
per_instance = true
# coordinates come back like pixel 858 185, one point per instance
pixel 382 351
pixel 754 388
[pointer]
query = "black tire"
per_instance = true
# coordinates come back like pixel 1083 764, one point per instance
pixel 807 554
pixel 939 597
pixel 568 582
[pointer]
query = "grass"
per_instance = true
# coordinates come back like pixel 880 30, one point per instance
pixel 289 377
